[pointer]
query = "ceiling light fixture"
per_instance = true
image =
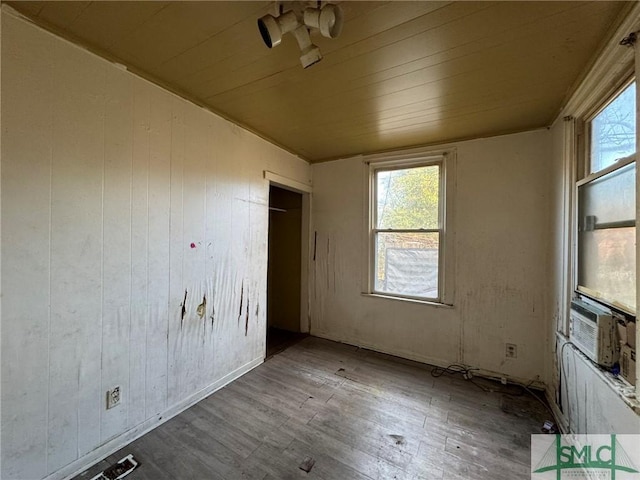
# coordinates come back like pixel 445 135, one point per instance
pixel 327 19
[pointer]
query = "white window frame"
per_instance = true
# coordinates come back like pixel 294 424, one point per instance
pixel 446 159
pixel 609 76
pixel 586 176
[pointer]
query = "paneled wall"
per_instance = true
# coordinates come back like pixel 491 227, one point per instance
pixel 501 227
pixel 134 252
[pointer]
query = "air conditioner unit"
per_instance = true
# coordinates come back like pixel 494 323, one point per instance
pixel 594 332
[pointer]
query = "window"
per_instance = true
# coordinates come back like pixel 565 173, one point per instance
pixel 606 258
pixel 613 130
pixel 407 228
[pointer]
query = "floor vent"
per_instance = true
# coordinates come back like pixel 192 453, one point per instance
pixel 120 470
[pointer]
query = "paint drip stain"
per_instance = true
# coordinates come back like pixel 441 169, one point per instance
pixel 184 309
pixel 328 267
pixel 315 245
pixel 241 301
pixel 246 320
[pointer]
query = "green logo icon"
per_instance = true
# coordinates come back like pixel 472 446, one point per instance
pixel 602 456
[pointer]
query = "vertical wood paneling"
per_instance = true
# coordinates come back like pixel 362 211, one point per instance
pixel 116 300
pixel 259 219
pixel 213 211
pixel 227 294
pixel 139 253
pixel 159 213
pixel 76 260
pixel 259 232
pixel 194 246
pixel 26 167
pixel 240 250
pixel 177 242
pixel 106 182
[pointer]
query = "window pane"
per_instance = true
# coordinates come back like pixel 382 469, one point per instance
pixel 407 264
pixel 607 236
pixel 610 198
pixel 607 261
pixel 408 198
pixel 613 131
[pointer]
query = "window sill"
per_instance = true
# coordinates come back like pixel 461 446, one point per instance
pixel 407 299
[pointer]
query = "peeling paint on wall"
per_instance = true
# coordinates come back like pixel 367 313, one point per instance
pixel 184 309
pixel 593 401
pixel 192 183
pixel 202 308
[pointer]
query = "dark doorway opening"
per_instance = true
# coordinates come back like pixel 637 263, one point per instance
pixel 284 270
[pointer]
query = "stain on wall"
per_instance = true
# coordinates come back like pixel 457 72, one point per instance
pixel 500 270
pixel 183 306
pixel 107 182
pixel 202 308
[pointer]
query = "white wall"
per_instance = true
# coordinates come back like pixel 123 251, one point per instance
pixel 107 181
pixel 502 221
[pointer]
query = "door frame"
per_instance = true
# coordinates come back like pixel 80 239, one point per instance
pixel 305 241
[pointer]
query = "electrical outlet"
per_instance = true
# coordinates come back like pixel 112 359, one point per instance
pixel 113 397
pixel 511 350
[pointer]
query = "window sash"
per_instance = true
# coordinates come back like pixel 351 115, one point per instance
pixel 595 272
pixel 589 121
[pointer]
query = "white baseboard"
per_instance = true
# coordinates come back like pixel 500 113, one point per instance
pixel 115 444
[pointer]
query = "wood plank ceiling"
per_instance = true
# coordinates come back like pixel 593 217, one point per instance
pixel 401 74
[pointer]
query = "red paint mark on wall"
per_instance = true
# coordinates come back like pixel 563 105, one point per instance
pixel 193 245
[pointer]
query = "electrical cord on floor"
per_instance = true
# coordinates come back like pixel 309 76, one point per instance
pixel 466 372
pixel 452 370
pixel 544 404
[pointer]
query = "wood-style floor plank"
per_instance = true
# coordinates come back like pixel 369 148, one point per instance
pixel 359 414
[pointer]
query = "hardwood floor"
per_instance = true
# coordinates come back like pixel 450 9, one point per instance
pixel 358 414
